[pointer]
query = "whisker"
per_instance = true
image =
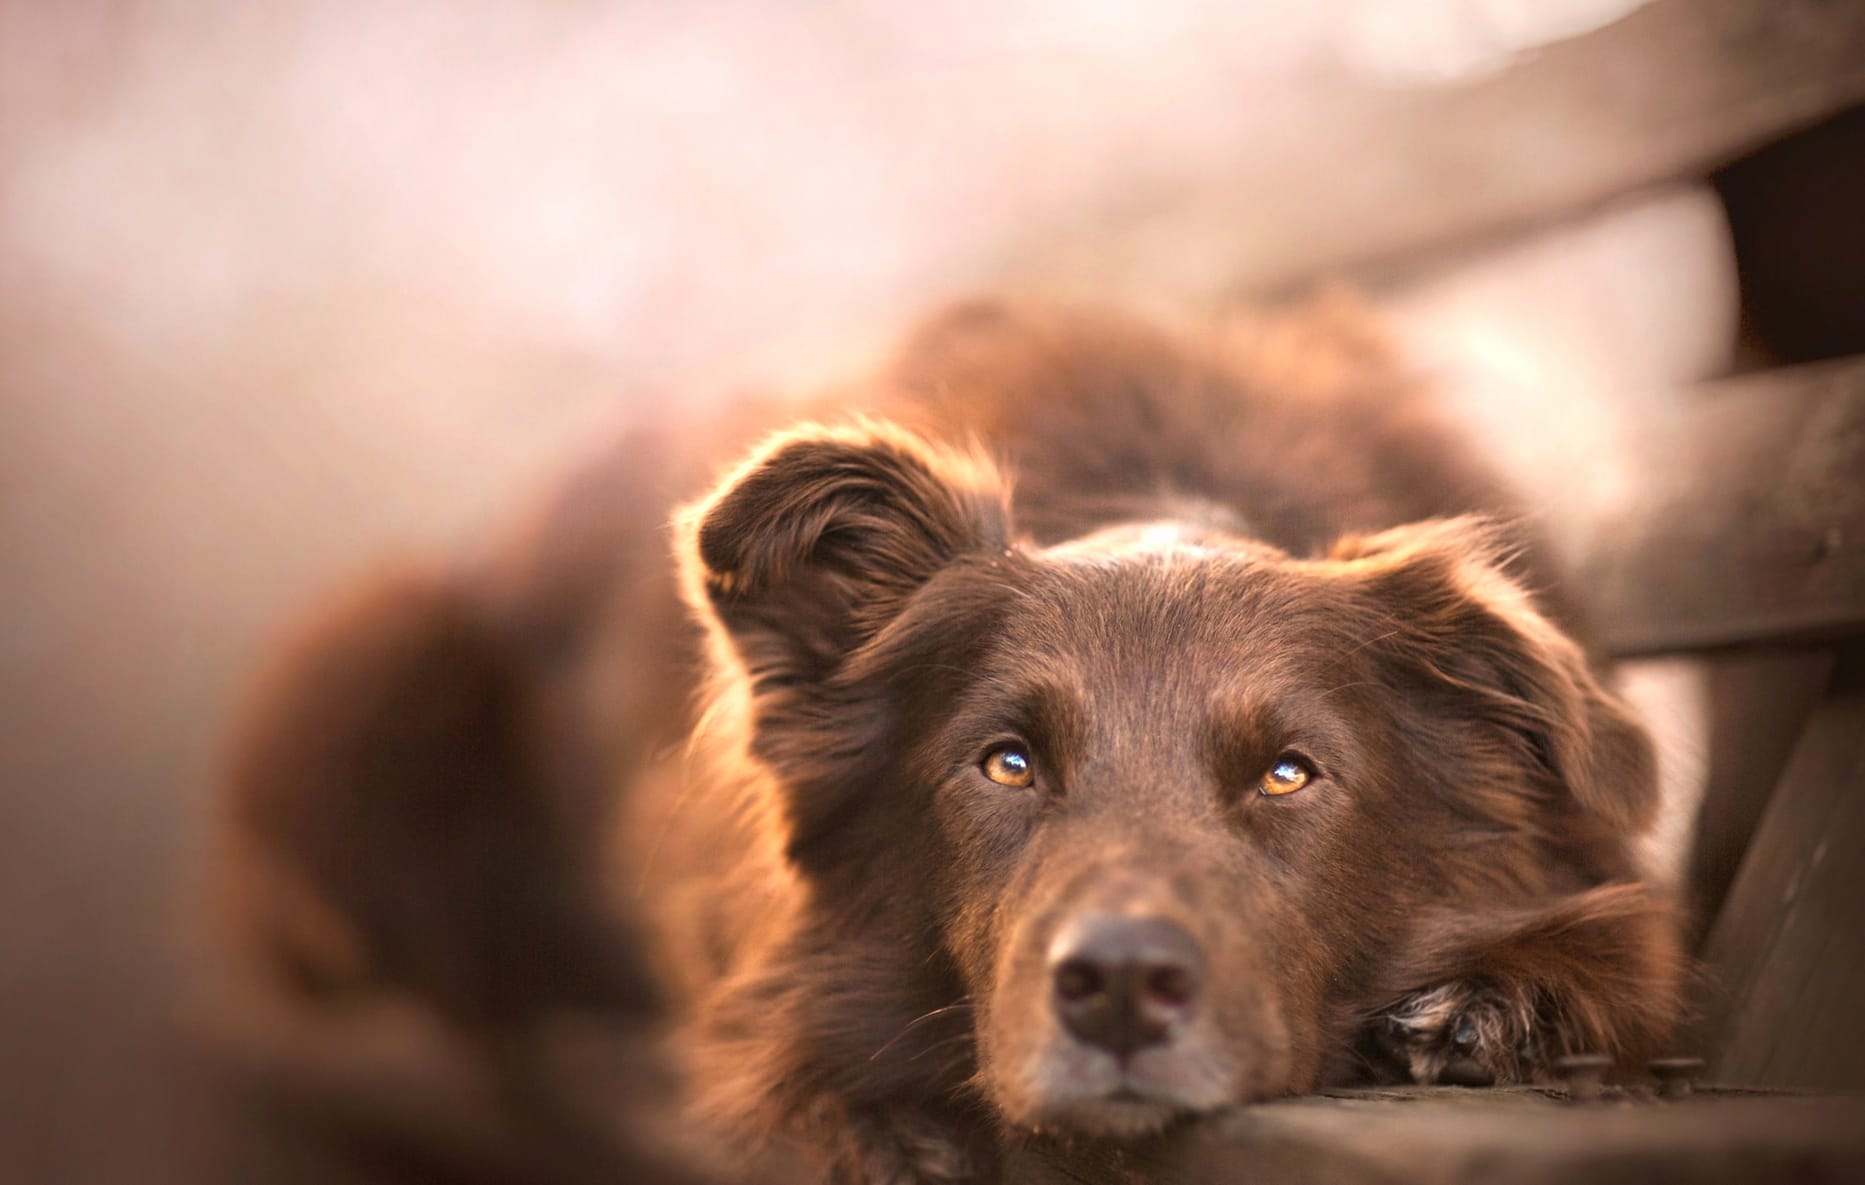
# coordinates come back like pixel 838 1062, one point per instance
pixel 960 1005
pixel 1376 639
pixel 955 1039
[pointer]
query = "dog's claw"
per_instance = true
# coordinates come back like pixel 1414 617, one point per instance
pixel 1466 1036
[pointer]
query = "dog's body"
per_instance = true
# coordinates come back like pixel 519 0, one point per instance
pixel 1112 730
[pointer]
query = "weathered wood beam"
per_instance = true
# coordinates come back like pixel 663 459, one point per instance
pixel 1350 177
pixel 1750 524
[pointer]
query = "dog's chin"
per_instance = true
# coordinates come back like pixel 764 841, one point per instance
pixel 1069 1091
pixel 1119 1116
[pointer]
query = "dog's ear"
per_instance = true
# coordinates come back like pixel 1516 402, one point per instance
pixel 813 545
pixel 1454 616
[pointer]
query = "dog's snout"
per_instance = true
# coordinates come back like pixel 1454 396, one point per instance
pixel 1123 983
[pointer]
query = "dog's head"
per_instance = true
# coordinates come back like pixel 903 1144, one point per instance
pixel 1181 809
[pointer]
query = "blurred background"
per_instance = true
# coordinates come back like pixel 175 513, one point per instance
pixel 288 286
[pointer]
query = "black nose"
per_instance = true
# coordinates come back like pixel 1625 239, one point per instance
pixel 1122 983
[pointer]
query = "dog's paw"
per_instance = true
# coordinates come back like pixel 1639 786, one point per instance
pixel 1466 1034
pixel 901 1149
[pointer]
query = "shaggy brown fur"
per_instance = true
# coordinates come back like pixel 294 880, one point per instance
pixel 978 832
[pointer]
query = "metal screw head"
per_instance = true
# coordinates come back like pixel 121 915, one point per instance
pixel 1583 1074
pixel 1676 1075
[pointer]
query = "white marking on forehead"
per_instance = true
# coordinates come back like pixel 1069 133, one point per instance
pixel 1163 539
pixel 1164 536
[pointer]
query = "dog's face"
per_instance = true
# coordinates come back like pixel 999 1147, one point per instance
pixel 1182 810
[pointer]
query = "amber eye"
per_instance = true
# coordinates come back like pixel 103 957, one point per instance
pixel 1289 774
pixel 1009 765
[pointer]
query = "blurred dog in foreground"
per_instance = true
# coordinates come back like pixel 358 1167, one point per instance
pixel 1102 731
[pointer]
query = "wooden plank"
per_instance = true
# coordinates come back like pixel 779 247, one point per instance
pixel 1750 525
pixel 1787 956
pixel 1450 1136
pixel 1353 176
pixel 1760 700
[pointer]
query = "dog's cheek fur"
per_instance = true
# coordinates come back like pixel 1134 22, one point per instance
pixel 838 1039
pixel 851 1030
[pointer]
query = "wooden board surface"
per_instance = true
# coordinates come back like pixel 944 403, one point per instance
pixel 1450 1136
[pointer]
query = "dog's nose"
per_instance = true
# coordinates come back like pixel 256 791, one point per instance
pixel 1122 983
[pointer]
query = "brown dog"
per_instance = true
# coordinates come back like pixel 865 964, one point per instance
pixel 1116 730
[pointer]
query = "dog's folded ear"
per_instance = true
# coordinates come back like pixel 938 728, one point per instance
pixel 807 550
pixel 1457 621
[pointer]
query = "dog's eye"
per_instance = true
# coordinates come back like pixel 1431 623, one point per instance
pixel 1289 774
pixel 1009 765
